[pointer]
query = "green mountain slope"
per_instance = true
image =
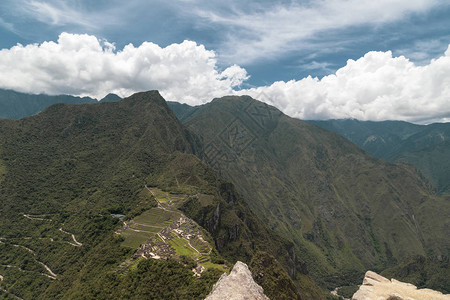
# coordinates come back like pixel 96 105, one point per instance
pixel 15 105
pixel 425 147
pixel 69 174
pixel 343 209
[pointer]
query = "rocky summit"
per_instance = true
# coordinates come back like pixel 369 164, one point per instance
pixel 380 288
pixel 238 285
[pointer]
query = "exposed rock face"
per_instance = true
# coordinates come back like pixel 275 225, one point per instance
pixel 376 287
pixel 239 285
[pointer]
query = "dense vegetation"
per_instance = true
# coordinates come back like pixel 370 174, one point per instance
pixel 68 172
pixel 427 147
pixel 344 210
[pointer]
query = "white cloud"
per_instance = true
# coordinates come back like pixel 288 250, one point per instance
pixel 377 86
pixel 280 28
pixel 84 65
pixel 7 25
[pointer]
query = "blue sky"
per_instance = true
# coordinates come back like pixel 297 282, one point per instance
pixel 271 40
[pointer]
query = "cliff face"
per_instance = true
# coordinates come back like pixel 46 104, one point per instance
pixel 378 287
pixel 238 285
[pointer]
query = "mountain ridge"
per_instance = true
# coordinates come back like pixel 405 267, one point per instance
pixel 16 105
pixel 345 209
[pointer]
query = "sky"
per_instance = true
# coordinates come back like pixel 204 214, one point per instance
pixel 321 59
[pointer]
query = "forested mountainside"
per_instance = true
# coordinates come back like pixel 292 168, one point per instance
pixel 345 210
pixel 427 147
pixel 15 105
pixel 88 191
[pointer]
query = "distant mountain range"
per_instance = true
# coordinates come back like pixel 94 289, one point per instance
pixel 15 105
pixel 427 147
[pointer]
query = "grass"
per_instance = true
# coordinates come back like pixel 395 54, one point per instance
pixel 182 247
pixel 134 239
pixel 165 197
pixel 144 227
pixel 157 217
pixel 151 221
pixel 209 265
pixel 201 246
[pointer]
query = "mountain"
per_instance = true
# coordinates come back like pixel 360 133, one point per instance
pixel 110 98
pixel 15 105
pixel 344 210
pixel 88 191
pixel 181 110
pixel 424 146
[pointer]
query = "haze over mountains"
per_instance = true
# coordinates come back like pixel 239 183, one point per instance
pixel 15 105
pixel 427 147
pixel 307 210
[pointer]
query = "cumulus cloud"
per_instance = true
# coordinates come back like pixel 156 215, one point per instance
pixel 86 66
pixel 377 86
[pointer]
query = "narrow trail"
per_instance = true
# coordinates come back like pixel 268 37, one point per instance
pixel 9 293
pixel 52 274
pixel 36 218
pixel 157 201
pixel 161 237
pixel 28 249
pixel 77 244
pixel 189 243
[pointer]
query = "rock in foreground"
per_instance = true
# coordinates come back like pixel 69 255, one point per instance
pixel 238 285
pixel 376 287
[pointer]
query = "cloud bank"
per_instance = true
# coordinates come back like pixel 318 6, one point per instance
pixel 86 66
pixel 377 86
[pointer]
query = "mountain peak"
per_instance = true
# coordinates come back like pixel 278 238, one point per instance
pixel 111 98
pixel 239 284
pixel 153 96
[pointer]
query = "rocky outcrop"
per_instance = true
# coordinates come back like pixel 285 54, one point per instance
pixel 376 287
pixel 238 285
